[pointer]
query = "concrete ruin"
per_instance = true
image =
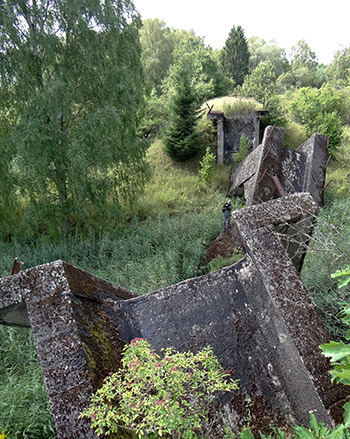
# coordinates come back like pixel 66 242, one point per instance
pixel 272 171
pixel 256 314
pixel 230 129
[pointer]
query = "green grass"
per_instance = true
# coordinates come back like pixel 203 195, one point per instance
pixel 24 404
pixel 233 106
pixel 162 241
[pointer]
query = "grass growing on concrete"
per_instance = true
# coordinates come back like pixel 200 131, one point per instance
pixel 233 106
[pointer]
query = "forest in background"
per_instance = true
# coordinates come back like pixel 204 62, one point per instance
pixel 103 141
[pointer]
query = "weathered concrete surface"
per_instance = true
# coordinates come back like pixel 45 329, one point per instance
pixel 76 344
pixel 272 171
pixel 256 315
pixel 300 170
pixel 230 130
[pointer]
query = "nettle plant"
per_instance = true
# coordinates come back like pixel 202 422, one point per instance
pixel 339 352
pixel 154 395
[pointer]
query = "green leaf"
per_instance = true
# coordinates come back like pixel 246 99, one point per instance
pixel 246 433
pixel 347 413
pixel 335 350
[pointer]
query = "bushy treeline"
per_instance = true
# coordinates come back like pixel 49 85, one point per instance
pixel 296 89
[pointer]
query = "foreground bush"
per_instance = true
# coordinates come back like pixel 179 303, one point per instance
pixel 157 396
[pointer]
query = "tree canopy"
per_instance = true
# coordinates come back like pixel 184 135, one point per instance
pixel 235 55
pixel 262 51
pixel 70 76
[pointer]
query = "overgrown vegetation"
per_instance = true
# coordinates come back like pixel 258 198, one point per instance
pixel 156 395
pixel 74 174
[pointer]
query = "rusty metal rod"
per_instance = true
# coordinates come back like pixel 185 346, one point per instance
pixel 16 267
pixel 278 185
pixel 262 176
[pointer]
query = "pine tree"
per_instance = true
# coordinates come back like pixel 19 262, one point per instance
pixel 235 55
pixel 71 89
pixel 182 137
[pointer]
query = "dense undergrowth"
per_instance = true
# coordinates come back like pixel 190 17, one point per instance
pixel 162 241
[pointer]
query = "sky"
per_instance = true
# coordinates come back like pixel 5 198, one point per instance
pixel 324 25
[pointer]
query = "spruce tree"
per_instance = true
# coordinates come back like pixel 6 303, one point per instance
pixel 71 91
pixel 235 55
pixel 182 137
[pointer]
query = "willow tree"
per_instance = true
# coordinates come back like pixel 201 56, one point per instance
pixel 71 79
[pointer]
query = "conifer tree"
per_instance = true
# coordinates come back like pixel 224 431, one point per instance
pixel 182 137
pixel 71 89
pixel 235 55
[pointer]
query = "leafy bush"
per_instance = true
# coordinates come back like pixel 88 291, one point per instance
pixel 319 111
pixel 157 396
pixel 207 165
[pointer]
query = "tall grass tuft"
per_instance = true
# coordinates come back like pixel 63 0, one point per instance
pixel 234 106
pixel 25 409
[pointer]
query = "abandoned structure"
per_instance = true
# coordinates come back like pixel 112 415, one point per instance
pixel 272 170
pixel 256 314
pixel 230 129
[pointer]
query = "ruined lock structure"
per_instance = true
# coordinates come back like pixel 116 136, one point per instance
pixel 256 314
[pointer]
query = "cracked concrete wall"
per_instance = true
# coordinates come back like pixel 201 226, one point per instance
pixel 272 171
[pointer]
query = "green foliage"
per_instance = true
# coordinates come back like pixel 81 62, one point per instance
pixel 244 145
pixel 25 411
pixel 159 395
pixel 339 352
pixel 207 165
pixel 220 262
pixel 261 83
pixel 158 42
pixel 261 51
pixel 327 251
pixel 318 110
pixel 304 67
pixel 71 89
pixel 203 67
pixel 235 55
pixel 318 430
pixel 182 137
pixel 338 70
pixel 344 274
pixel 277 113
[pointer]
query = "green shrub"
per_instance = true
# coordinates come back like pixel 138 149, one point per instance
pixel 244 145
pixel 207 165
pixel 159 395
pixel 319 111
